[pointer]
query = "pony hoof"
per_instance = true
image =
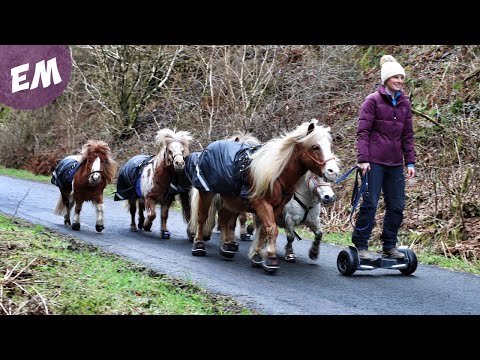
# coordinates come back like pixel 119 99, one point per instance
pixel 256 261
pixel 313 255
pixel 165 235
pixel 245 237
pixel 198 249
pixel 227 250
pixel 76 226
pixel 140 226
pixel 147 228
pixel 235 246
pixel 67 222
pixel 270 265
pixel 133 229
pixel 290 258
pixel 99 228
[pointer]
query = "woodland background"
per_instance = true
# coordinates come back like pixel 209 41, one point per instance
pixel 123 94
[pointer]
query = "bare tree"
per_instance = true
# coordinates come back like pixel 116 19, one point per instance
pixel 123 78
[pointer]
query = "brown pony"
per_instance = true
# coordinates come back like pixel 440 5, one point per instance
pixel 271 176
pixel 156 180
pixel 83 178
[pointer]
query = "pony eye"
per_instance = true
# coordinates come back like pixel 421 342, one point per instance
pixel 315 147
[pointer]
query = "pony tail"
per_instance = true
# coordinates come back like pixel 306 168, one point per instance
pixel 60 209
pixel 194 198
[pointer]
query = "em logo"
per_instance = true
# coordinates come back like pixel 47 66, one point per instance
pixel 32 76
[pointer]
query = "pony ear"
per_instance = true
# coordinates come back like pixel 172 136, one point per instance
pixel 310 128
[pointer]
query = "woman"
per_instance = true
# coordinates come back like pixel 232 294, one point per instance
pixel 384 145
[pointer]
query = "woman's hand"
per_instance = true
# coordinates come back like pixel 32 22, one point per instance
pixel 364 167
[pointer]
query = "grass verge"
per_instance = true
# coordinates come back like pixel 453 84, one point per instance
pixel 42 272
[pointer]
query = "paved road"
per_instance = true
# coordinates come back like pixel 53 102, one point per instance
pixel 306 287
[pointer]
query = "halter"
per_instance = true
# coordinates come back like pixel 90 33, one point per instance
pixel 316 184
pixel 321 163
pixel 95 171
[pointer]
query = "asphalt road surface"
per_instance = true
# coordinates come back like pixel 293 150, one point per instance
pixel 306 287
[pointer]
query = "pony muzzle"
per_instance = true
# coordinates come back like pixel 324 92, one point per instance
pixel 95 177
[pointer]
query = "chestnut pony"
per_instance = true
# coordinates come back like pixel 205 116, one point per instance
pixel 271 176
pixel 83 178
pixel 150 180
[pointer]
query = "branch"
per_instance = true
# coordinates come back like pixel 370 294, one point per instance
pixel 427 117
pixel 471 75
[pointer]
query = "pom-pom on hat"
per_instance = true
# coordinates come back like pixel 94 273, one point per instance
pixel 390 67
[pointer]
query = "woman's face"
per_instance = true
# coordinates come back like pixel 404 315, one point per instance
pixel 395 83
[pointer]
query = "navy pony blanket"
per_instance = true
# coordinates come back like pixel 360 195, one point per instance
pixel 128 182
pixel 220 167
pixel 62 176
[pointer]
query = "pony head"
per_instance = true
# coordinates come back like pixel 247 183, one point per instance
pixel 96 156
pixel 175 146
pixel 309 145
pixel 317 152
pixel 320 188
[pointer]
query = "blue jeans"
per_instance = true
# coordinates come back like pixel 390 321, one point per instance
pixel 391 180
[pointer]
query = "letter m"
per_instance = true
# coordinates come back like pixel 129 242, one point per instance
pixel 45 73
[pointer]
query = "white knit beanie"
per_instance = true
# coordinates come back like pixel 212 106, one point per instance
pixel 390 67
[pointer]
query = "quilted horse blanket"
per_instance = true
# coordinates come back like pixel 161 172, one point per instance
pixel 128 182
pixel 221 167
pixel 62 176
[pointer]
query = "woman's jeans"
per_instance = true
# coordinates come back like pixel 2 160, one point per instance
pixel 391 180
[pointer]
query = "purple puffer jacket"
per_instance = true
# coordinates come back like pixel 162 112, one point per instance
pixel 385 132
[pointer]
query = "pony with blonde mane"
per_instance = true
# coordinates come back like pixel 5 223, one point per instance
pixel 147 180
pixel 81 178
pixel 271 175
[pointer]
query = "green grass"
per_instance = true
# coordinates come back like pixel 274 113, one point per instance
pixel 74 278
pixel 24 174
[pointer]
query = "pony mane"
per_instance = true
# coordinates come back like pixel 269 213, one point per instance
pixel 102 148
pixel 269 161
pixel 165 136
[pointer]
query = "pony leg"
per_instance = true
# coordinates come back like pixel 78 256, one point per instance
pixel 315 248
pixel 227 244
pixel 244 234
pixel 164 233
pixel 100 216
pixel 151 214
pixel 141 215
pixel 289 227
pixel 76 216
pixel 269 232
pixel 68 204
pixel 133 210
pixel 201 207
